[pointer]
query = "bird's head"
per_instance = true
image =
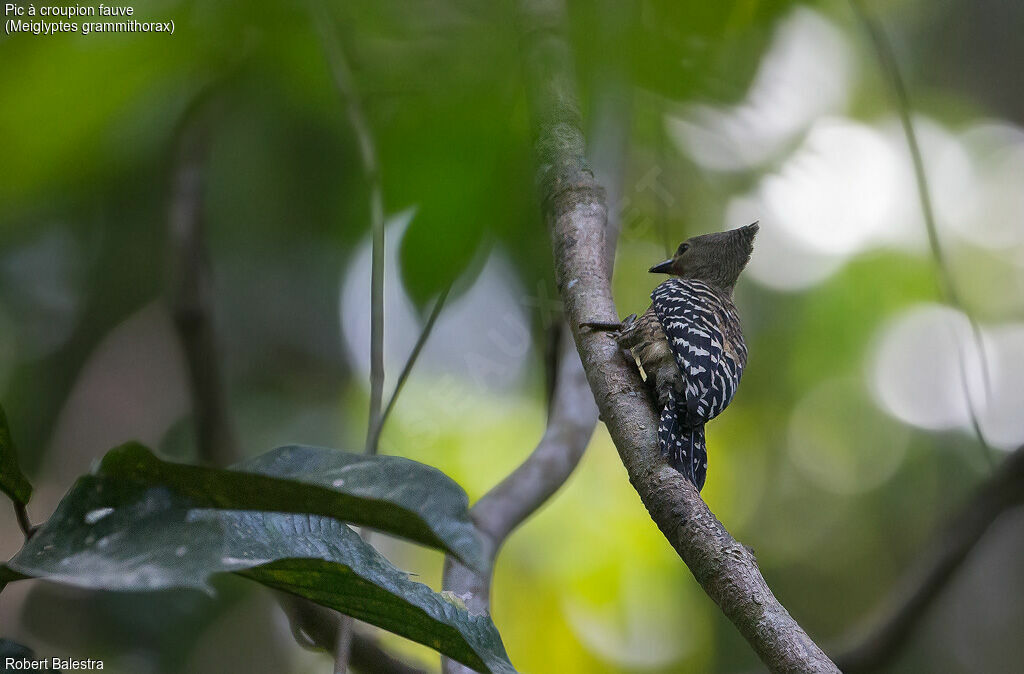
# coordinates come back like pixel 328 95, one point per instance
pixel 716 258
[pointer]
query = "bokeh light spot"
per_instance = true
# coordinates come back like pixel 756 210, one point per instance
pixel 840 441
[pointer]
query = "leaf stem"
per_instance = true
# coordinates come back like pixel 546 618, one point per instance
pixel 21 512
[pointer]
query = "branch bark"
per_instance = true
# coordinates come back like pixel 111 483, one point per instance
pixel 922 585
pixel 574 206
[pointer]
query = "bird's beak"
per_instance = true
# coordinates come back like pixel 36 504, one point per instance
pixel 662 267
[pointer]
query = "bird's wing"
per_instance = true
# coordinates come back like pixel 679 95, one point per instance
pixel 689 312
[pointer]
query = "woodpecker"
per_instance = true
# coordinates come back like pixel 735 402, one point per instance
pixel 689 342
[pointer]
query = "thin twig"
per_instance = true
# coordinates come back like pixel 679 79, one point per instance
pixel 343 80
pixel 347 640
pixel 890 66
pixel 575 209
pixel 877 644
pixel 428 327
pixel 345 85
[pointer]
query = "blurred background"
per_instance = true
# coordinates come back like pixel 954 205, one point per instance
pixel 849 442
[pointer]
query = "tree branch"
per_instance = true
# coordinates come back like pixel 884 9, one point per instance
pixel 572 421
pixel 507 505
pixel 924 582
pixel 190 294
pixel 574 207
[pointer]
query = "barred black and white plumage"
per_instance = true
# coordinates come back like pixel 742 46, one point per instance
pixel 703 332
pixel 689 342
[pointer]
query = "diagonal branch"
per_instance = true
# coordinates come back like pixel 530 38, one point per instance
pixel 574 207
pixel 507 505
pixel 572 421
pixel 924 582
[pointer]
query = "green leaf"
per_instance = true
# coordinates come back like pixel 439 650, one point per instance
pixel 115 534
pixel 388 493
pixel 12 481
pixel 702 50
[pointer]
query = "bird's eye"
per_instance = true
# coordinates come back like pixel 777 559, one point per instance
pixel 683 247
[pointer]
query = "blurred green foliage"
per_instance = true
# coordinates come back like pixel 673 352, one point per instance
pixel 88 128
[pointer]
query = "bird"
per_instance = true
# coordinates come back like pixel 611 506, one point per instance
pixel 689 342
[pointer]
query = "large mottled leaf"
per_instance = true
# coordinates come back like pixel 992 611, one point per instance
pixel 114 534
pixel 388 493
pixel 12 481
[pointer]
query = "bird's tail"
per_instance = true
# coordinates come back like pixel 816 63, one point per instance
pixel 683 445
